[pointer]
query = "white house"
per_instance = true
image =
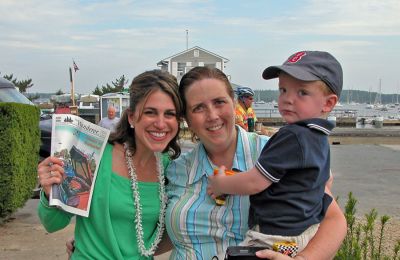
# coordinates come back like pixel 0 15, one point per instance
pixel 182 62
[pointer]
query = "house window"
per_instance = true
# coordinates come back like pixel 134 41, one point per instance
pixel 181 67
pixel 196 53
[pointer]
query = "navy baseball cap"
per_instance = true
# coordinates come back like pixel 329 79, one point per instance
pixel 311 66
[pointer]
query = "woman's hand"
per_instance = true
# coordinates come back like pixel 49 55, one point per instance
pixel 50 171
pixel 70 244
pixel 272 255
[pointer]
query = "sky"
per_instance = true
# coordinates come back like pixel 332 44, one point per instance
pixel 107 39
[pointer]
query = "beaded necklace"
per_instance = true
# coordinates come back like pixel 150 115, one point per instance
pixel 136 199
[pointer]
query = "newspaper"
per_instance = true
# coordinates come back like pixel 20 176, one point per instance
pixel 80 144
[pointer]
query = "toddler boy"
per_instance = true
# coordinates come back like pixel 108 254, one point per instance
pixel 287 184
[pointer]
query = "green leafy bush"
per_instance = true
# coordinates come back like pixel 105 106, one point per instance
pixel 19 153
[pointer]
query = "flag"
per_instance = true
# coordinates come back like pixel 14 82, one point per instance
pixel 75 66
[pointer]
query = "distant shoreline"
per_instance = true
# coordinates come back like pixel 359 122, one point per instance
pixel 350 122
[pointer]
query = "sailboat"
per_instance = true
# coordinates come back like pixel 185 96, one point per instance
pixel 378 99
pixel 369 105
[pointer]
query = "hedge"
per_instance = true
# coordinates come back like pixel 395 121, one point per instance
pixel 19 154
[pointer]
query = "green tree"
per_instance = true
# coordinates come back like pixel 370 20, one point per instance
pixel 10 78
pixel 97 91
pixel 22 85
pixel 32 97
pixel 120 83
pixel 115 86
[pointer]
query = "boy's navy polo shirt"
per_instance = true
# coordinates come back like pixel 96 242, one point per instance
pixel 297 162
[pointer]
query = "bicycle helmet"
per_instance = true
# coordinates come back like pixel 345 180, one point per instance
pixel 244 91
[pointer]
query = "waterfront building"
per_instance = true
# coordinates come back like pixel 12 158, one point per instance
pixel 180 63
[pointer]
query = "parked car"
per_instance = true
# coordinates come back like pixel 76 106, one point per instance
pixel 10 93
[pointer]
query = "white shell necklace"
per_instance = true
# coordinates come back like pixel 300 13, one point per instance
pixel 138 208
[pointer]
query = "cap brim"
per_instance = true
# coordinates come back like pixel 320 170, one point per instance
pixel 296 72
pixel 271 72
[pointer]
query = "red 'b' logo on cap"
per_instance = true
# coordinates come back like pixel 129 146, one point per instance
pixel 296 57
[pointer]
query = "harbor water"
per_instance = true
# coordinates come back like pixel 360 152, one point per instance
pixel 366 116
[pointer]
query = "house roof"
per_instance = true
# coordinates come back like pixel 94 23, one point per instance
pixel 191 49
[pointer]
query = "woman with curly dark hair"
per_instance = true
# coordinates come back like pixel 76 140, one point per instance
pixel 126 219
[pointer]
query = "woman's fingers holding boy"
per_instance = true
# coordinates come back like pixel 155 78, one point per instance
pixel 70 245
pixel 272 255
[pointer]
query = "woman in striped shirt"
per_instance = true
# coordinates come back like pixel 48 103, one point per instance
pixel 196 225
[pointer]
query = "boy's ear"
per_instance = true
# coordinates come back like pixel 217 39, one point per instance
pixel 330 102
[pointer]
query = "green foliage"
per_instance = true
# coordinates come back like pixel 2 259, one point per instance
pixel 97 91
pixel 266 95
pixel 59 92
pixel 33 96
pixel 347 96
pixel 19 153
pixel 360 242
pixel 22 85
pixel 397 250
pixel 116 86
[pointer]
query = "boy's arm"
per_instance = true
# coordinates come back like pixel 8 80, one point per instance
pixel 242 183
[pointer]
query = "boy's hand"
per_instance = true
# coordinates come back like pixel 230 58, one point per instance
pixel 213 188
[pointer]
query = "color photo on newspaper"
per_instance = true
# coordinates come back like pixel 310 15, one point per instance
pixel 80 144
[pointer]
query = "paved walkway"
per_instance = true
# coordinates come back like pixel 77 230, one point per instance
pixel 371 172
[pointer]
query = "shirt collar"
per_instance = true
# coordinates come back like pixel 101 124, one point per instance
pixel 319 124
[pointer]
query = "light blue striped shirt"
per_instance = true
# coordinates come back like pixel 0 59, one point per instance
pixel 198 228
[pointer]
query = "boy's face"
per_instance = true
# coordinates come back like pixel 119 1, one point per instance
pixel 300 100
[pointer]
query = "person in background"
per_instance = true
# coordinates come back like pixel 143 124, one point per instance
pixel 110 122
pixel 126 219
pixel 244 113
pixel 294 166
pixel 196 225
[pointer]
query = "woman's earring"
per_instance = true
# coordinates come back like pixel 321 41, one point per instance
pixel 132 126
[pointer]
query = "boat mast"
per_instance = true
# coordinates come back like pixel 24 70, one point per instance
pixel 378 99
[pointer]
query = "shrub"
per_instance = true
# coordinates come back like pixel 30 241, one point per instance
pixel 363 241
pixel 19 153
